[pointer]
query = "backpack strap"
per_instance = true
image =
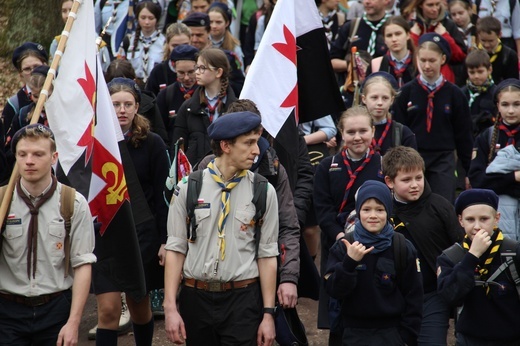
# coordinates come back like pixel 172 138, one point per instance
pixel 67 197
pixel 454 253
pixel 13 101
pixel 400 254
pixel 260 201
pixel 508 255
pixel 192 196
pixel 397 133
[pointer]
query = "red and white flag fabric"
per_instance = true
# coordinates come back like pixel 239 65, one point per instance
pixel 88 138
pixel 291 73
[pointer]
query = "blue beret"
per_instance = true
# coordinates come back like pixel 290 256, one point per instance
pixel 29 46
pixel 21 132
pixel 184 52
pixel 197 19
pixel 224 8
pixel 439 41
pixel 42 69
pixel 374 189
pixel 233 125
pixel 475 196
pixel 504 84
pixel 128 82
pixel 391 79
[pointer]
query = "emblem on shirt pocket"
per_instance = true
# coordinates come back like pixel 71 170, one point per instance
pixel 447 109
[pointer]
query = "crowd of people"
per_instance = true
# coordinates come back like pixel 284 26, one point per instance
pixel 411 196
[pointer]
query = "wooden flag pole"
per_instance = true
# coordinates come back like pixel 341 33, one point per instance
pixel 4 206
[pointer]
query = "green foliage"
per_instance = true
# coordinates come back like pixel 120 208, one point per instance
pixel 28 20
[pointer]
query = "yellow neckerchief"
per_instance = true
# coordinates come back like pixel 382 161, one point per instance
pixel 494 55
pixel 496 242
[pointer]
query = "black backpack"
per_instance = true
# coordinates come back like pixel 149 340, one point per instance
pixel 192 196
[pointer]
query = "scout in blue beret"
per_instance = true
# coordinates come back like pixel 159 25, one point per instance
pixel 25 59
pixel 199 26
pixel 481 274
pixel 128 82
pixel 439 41
pixel 184 52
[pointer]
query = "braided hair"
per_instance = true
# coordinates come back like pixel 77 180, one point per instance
pixel 154 8
pixel 216 58
pixel 495 131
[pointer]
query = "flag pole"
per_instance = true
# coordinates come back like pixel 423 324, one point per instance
pixel 4 206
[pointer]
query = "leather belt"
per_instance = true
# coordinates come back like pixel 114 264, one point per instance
pixel 31 301
pixel 217 286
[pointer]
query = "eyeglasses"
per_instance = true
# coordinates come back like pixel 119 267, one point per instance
pixel 29 69
pixel 190 73
pixel 203 68
pixel 128 106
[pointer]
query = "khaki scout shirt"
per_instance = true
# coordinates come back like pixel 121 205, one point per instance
pixel 202 255
pixel 50 270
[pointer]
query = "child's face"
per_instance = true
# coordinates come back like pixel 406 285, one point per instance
pixel 509 106
pixel 431 9
pixel 200 6
pixel 147 21
pixel 396 38
pixel 477 217
pixel 27 66
pixel 210 75
pixel 65 9
pixel 217 24
pixel 489 40
pixel 177 40
pixel 357 134
pixel 479 75
pixel 378 99
pixel 373 215
pixel 408 186
pixel 460 15
pixel 430 63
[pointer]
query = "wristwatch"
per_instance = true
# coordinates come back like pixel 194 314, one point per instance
pixel 270 311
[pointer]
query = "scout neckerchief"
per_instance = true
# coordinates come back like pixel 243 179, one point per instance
pixel 32 232
pixel 496 241
pixel 147 42
pixel 206 102
pixel 187 92
pixel 431 95
pixel 353 175
pixel 328 22
pixel 224 205
pixel 399 71
pixel 377 145
pixel 509 133
pixel 373 36
pixel 493 56
pixel 477 90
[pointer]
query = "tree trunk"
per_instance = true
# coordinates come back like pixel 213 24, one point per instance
pixel 28 20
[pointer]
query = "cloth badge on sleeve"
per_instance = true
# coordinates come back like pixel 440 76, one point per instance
pixel 447 108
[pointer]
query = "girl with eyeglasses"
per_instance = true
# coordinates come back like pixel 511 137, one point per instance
pixel 25 59
pixel 207 103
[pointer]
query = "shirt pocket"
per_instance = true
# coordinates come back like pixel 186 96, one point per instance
pixel 56 240
pixel 245 227
pixel 13 240
pixel 203 219
pixel 385 275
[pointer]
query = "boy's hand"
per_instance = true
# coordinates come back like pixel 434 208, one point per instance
pixel 356 250
pixel 480 243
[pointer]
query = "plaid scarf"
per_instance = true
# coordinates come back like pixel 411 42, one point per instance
pixel 477 90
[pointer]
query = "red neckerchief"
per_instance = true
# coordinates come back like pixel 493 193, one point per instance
pixel 377 145
pixel 187 92
pixel 354 175
pixel 211 109
pixel 399 71
pixel 510 133
pixel 431 95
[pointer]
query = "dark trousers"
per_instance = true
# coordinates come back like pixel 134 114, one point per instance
pixel 440 172
pixel 464 340
pixel 40 325
pixel 221 318
pixel 371 336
